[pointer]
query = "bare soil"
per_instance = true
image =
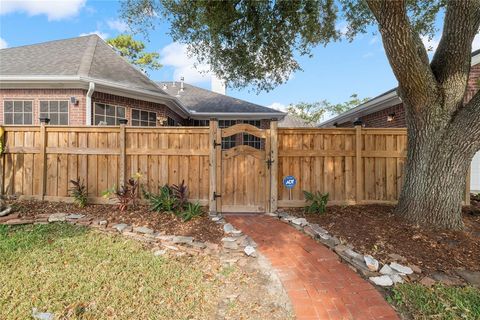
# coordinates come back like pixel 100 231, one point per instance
pixel 201 228
pixel 375 230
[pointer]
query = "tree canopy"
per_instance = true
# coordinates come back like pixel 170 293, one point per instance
pixel 255 42
pixel 314 112
pixel 133 51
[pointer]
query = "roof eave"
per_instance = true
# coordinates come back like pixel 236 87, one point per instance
pixel 237 115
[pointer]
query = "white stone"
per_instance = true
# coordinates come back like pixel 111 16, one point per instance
pixel 215 219
pixel 120 227
pixel 75 216
pixel 300 221
pixel 383 281
pixel 159 253
pixel 57 217
pixel 249 250
pixel 371 263
pixel 181 239
pixel 229 239
pixel 228 228
pixel 6 212
pixel 143 230
pixel 386 270
pixel 396 278
pixel 401 269
pixel 42 315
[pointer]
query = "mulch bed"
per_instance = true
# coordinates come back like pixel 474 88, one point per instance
pixel 375 230
pixel 201 228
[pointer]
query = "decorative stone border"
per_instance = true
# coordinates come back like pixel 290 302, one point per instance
pixel 234 242
pixel 366 265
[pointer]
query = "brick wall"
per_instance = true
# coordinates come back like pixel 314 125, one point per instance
pixel 379 119
pixel 76 112
pixel 129 103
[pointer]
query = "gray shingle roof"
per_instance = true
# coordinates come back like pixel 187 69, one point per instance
pixel 87 56
pixel 201 100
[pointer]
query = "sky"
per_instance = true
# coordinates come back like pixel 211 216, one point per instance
pixel 334 73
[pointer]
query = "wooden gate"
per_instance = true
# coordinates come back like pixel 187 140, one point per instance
pixel 243 169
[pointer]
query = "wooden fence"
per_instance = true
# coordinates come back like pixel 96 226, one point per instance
pixel 353 165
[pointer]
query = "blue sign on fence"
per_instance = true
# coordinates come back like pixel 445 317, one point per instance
pixel 289 182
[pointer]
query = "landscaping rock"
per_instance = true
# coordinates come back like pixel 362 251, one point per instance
pixel 14 222
pixel 340 248
pixel 282 215
pixel 143 230
pixel 236 233
pixel 227 228
pixel 247 241
pixel 383 281
pixel 103 223
pixel 331 242
pixel 231 245
pixel 42 315
pixel 386 270
pixel 250 251
pixel 353 255
pixel 217 218
pixel 300 222
pixel 317 229
pixel 400 268
pixel 182 240
pixel 163 237
pixel 471 277
pixel 74 216
pixel 120 227
pixel 229 239
pixel 371 262
pixel 57 217
pixel 446 279
pixel 272 214
pixel 396 278
pixel 199 245
pixel 397 257
pixel 5 211
pixel 158 253
pixel 309 230
pixel 9 217
pixel 415 268
pixel 427 281
pixel 173 248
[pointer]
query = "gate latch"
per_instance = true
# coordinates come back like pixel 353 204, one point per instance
pixel 216 195
pixel 216 144
pixel 269 163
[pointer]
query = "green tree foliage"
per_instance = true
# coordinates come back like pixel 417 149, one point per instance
pixel 133 51
pixel 314 112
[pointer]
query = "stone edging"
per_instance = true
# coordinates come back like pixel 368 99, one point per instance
pixel 234 242
pixel 366 265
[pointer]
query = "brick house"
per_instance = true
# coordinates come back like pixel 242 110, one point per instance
pixel 386 111
pixel 83 81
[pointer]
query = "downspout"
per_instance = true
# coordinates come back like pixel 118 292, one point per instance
pixel 88 113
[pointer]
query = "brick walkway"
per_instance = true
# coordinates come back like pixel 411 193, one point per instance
pixel 318 284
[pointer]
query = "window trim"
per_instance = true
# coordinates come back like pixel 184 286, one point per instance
pixel 140 120
pixel 116 117
pixel 59 100
pixel 23 100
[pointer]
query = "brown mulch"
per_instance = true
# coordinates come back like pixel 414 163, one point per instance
pixel 201 228
pixel 375 230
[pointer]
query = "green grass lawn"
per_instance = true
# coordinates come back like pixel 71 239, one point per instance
pixel 438 302
pixel 80 274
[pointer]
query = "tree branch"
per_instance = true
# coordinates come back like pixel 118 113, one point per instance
pixel 451 62
pixel 466 126
pixel 406 53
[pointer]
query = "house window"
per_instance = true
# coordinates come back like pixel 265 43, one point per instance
pixel 228 142
pixel 106 114
pixel 18 112
pixel 171 122
pixel 56 111
pixel 144 118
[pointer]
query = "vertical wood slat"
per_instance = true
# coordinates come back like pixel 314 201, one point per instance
pixel 123 156
pixel 274 166
pixel 212 204
pixel 218 155
pixel 43 158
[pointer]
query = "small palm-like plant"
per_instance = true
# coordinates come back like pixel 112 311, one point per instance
pixel 181 193
pixel 317 202
pixel 79 192
pixel 165 201
pixel 191 211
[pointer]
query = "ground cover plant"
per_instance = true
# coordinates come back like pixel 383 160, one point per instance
pixel 80 274
pixel 438 302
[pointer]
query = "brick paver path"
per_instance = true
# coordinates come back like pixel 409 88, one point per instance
pixel 318 284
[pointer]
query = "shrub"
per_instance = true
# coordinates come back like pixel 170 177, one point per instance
pixel 191 211
pixel 180 192
pixel 127 194
pixel 317 202
pixel 79 192
pixel 164 201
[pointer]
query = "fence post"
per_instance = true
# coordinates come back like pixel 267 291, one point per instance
pixel 43 155
pixel 212 203
pixel 467 186
pixel 123 156
pixel 274 165
pixel 358 163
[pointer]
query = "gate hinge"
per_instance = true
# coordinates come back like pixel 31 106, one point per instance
pixel 269 163
pixel 216 195
pixel 215 144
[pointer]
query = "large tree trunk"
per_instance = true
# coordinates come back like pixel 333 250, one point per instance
pixel 435 177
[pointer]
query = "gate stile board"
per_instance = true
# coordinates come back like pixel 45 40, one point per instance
pixel 354 165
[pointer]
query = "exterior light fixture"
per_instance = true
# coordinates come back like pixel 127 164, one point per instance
pixel 391 117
